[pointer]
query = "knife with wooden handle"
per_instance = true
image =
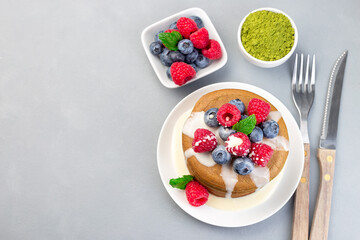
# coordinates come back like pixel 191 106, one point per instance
pixel 327 150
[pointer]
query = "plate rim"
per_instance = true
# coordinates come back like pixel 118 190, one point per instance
pixel 197 212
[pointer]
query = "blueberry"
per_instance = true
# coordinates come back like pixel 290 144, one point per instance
pixel 210 117
pixel 177 56
pixel 220 155
pixel 168 74
pixel 173 25
pixel 185 46
pixel 270 128
pixel 243 166
pixel 256 135
pixel 239 104
pixel 156 38
pixel 225 132
pixel 243 116
pixel 165 57
pixel 194 66
pixel 202 61
pixel 191 57
pixel 156 48
pixel 198 21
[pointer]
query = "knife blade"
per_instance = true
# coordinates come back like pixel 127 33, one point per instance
pixel 327 151
pixel 332 106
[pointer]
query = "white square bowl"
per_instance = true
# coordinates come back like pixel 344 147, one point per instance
pixel 147 37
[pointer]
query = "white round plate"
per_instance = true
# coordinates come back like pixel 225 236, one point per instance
pixel 281 194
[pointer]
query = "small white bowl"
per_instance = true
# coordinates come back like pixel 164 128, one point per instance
pixel 261 63
pixel 147 37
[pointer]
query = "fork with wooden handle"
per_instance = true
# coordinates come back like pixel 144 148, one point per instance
pixel 303 92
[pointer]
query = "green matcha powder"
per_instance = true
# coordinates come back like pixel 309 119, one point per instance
pixel 267 35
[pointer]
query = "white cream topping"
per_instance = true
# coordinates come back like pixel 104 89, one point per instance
pixel 278 143
pixel 195 121
pixel 260 176
pixel 234 141
pixel 204 158
pixel 229 177
pixel 274 115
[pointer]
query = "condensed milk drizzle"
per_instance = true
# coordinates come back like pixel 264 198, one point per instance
pixel 195 121
pixel 204 158
pixel 274 115
pixel 260 176
pixel 229 177
pixel 278 143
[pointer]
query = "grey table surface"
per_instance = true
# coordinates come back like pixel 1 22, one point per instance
pixel 81 110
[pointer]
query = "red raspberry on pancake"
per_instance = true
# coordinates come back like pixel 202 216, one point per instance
pixel 228 115
pixel 260 154
pixel 238 144
pixel 204 141
pixel 260 108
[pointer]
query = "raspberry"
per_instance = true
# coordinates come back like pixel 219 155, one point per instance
pixel 171 30
pixel 186 26
pixel 212 50
pixel 181 72
pixel 196 194
pixel 204 141
pixel 260 154
pixel 260 108
pixel 200 38
pixel 238 144
pixel 228 115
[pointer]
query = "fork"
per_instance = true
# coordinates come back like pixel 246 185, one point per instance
pixel 303 93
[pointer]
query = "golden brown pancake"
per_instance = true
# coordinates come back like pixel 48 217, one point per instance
pixel 210 176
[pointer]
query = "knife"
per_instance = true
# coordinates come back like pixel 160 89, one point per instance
pixel 327 150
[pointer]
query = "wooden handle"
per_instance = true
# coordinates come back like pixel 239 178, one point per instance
pixel 320 224
pixel 300 229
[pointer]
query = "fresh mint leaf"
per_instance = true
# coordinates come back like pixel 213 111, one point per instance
pixel 246 126
pixel 170 40
pixel 181 181
pixel 177 35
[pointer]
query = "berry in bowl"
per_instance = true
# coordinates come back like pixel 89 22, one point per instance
pixel 267 37
pixel 184 47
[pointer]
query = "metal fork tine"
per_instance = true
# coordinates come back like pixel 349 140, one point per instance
pixel 306 84
pixel 300 82
pixel 303 90
pixel 312 83
pixel 295 73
